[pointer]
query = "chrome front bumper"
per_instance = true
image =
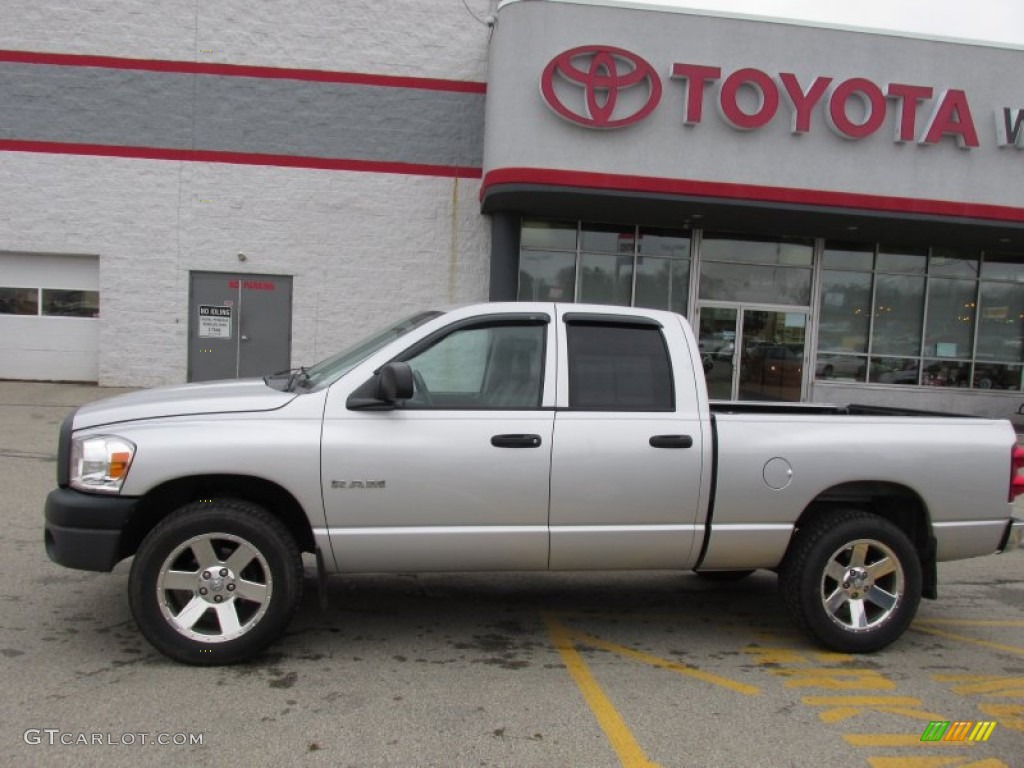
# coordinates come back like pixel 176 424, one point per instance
pixel 1014 536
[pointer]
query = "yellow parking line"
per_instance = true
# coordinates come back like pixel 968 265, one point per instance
pixel 974 622
pixel 683 669
pixel 615 729
pixel 994 686
pixel 973 640
pixel 933 762
pixel 895 740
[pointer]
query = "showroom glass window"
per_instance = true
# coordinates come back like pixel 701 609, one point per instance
pixel 624 265
pixel 999 355
pixel 547 261
pixel 939 317
pixel 756 270
pixel 898 315
pixel 950 321
pixel 606 264
pixel 844 320
pixel 662 269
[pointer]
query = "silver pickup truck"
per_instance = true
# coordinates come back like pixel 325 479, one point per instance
pixel 519 436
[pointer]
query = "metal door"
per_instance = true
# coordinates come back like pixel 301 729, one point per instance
pixel 240 325
pixel 458 477
pixel 629 470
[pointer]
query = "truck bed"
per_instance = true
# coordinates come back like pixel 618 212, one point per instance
pixel 812 409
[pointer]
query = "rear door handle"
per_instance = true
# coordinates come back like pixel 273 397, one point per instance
pixel 671 441
pixel 516 441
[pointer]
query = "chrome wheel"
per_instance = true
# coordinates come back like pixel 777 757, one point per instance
pixel 214 587
pixel 862 585
pixel 852 579
pixel 215 582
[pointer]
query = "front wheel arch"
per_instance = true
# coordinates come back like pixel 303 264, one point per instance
pixel 162 500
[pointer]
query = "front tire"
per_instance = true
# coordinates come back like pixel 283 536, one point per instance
pixel 215 582
pixel 852 579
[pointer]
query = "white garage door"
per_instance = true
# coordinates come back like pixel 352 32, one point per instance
pixel 49 317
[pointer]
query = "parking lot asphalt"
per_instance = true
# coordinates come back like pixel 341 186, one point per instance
pixel 605 669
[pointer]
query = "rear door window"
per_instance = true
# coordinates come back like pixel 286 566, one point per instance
pixel 616 367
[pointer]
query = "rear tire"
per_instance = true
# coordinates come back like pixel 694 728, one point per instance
pixel 215 582
pixel 851 579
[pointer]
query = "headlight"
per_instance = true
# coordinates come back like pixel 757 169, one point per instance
pixel 100 463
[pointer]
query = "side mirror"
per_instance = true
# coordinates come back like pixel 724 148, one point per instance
pixel 394 382
pixel 390 384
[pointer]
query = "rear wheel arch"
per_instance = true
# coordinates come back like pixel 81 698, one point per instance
pixel 899 504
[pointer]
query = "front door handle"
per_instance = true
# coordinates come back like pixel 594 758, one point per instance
pixel 516 441
pixel 671 441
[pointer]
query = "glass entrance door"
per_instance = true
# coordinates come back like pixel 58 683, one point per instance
pixel 754 354
pixel 718 337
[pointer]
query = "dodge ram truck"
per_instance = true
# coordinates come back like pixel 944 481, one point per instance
pixel 517 437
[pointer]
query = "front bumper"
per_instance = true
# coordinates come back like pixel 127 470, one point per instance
pixel 84 530
pixel 1014 536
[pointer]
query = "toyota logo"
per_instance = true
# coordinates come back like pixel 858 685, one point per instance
pixel 599 86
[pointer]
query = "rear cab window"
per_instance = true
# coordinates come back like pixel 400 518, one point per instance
pixel 618 364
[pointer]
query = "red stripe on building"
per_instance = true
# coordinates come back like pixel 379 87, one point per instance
pixel 746 192
pixel 241 70
pixel 241 158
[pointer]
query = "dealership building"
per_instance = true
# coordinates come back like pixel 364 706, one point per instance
pixel 212 191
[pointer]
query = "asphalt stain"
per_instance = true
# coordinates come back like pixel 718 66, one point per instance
pixel 504 663
pixel 491 643
pixel 501 650
pixel 47 581
pixel 285 681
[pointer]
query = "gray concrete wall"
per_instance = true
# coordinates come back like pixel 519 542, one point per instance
pixel 363 246
pixel 177 110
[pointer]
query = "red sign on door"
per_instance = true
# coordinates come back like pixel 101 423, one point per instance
pixel 253 285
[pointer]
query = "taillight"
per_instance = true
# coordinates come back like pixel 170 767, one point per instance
pixel 1016 478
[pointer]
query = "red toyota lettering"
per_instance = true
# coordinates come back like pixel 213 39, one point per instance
pixel 768 99
pixel 802 102
pixel 695 76
pixel 908 96
pixel 869 94
pixel 952 117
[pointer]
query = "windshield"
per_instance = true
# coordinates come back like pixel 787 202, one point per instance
pixel 330 370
